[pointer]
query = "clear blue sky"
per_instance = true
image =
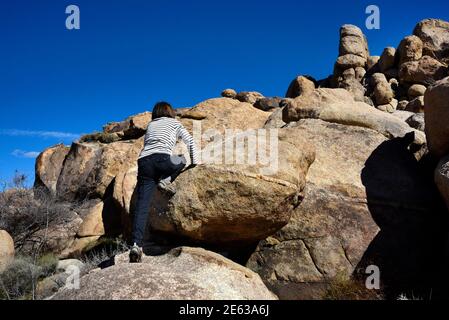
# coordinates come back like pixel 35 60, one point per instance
pixel 56 83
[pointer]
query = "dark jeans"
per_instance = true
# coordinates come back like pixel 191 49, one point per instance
pixel 152 169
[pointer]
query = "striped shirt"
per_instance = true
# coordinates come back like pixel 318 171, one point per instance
pixel 162 135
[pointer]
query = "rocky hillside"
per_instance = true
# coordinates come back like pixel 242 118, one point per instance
pixel 358 184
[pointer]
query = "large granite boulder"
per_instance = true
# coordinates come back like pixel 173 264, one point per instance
pixel 249 96
pixel 182 274
pixel 387 59
pixel 425 71
pixel 353 42
pixel 204 207
pixel 300 85
pixel 6 250
pixel 434 34
pixel 436 115
pixel 90 168
pixel 48 167
pixel 410 49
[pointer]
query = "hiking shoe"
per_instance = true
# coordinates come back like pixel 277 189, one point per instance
pixel 167 187
pixel 135 254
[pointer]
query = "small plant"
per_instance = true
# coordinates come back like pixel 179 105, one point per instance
pixel 19 180
pixel 100 137
pixel 48 264
pixel 344 288
pixel 105 250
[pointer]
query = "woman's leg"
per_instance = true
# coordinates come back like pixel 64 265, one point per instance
pixel 172 168
pixel 145 189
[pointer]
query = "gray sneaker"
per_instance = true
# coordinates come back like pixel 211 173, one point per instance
pixel 167 188
pixel 135 254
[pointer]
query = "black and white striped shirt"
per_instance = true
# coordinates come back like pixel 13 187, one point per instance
pixel 162 135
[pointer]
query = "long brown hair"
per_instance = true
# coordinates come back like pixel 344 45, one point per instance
pixel 163 109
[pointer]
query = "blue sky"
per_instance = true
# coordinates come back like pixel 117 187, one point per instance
pixel 56 83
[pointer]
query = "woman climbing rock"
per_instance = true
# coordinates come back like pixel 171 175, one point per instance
pixel 158 167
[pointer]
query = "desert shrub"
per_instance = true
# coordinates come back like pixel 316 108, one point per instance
pixel 100 137
pixel 343 288
pixel 48 264
pixel 26 213
pixel 19 279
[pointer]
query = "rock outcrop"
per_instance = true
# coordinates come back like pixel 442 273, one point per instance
pixel 131 128
pixel 387 59
pixel 410 49
pixel 416 90
pixel 300 85
pixel 425 71
pixel 351 64
pixel 193 274
pixel 203 209
pixel 48 167
pixel 229 93
pixel 227 113
pixel 346 183
pixel 249 96
pixel 338 106
pixel 90 168
pixel 434 34
pixel 360 193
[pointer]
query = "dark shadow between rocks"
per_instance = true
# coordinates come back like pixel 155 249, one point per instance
pixel 111 216
pixel 405 204
pixel 159 243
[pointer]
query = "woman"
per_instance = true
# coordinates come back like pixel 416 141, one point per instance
pixel 158 167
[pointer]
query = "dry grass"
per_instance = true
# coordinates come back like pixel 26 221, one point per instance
pixel 342 288
pixel 104 251
pixel 100 137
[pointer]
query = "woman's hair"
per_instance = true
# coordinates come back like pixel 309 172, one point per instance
pixel 163 109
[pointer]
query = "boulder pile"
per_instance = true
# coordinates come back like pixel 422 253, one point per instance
pixel 350 187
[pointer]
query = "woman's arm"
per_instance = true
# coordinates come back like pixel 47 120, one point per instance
pixel 188 140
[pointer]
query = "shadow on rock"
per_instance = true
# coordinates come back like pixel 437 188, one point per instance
pixel 405 204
